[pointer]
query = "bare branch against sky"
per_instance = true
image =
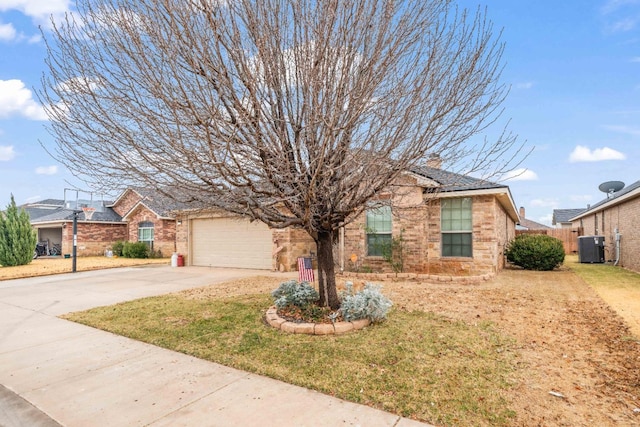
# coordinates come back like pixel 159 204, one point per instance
pixel 291 112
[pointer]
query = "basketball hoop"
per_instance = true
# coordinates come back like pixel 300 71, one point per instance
pixel 88 212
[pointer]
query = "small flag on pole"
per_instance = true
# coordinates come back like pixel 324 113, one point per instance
pixel 305 270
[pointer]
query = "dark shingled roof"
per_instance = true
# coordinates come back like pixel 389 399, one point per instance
pixel 61 214
pixel 625 190
pixel 451 181
pixel 532 225
pixel 157 202
pixel 564 215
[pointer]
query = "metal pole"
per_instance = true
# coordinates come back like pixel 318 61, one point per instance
pixel 75 239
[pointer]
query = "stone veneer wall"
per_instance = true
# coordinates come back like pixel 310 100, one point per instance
pixel 289 244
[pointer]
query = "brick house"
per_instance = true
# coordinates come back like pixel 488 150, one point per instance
pixel 617 219
pixel 449 223
pixel 136 215
pixel 53 221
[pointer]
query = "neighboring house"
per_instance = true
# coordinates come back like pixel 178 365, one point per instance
pixel 562 217
pixel 617 219
pixel 137 215
pixel 450 224
pixel 53 221
pixel 526 224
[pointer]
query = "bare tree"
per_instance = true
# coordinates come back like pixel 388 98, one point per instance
pixel 296 113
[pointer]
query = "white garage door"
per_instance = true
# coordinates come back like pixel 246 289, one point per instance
pixel 225 242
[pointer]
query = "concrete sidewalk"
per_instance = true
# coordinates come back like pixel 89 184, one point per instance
pixel 59 372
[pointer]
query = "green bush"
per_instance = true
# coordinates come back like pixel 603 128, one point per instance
pixel 535 252
pixel 135 250
pixel 17 238
pixel 117 247
pixel 293 293
pixel 369 303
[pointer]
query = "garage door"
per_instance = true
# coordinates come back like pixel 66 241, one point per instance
pixel 225 242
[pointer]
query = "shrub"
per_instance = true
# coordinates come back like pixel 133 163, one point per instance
pixel 117 247
pixel 17 237
pixel 535 252
pixel 295 293
pixel 135 250
pixel 369 303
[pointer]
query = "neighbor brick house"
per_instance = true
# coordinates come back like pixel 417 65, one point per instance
pixel 52 219
pixel 617 218
pixel 450 224
pixel 136 215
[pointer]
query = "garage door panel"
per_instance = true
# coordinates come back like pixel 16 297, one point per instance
pixel 225 242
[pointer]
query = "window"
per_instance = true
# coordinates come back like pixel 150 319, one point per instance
pixel 145 233
pixel 456 226
pixel 378 230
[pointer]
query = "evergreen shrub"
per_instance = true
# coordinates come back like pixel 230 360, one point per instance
pixel 535 252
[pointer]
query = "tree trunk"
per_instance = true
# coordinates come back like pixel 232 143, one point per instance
pixel 326 274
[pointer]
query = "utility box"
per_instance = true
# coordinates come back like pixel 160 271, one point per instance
pixel 591 249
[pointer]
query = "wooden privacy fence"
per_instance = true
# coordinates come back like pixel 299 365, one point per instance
pixel 569 237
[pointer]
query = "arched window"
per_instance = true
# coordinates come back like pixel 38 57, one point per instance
pixel 145 233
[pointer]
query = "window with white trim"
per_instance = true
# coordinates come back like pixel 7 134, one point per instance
pixel 378 230
pixel 456 226
pixel 145 233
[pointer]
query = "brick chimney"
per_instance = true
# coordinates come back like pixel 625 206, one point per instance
pixel 434 161
pixel 522 212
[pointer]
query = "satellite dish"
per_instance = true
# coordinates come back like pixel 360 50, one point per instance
pixel 611 186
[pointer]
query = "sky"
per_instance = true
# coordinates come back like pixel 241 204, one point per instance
pixel 573 68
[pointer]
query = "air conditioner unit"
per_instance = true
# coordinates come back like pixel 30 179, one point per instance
pixel 591 249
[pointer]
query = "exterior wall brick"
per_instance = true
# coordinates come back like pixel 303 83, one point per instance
pixel 416 218
pixel 94 238
pixel 127 202
pixel 420 227
pixel 624 218
pixel 164 230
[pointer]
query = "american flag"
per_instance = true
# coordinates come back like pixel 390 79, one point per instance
pixel 305 270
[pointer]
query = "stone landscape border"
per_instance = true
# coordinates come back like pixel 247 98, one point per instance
pixel 336 328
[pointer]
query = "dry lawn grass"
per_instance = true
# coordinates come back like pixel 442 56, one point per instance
pixel 573 360
pixel 58 265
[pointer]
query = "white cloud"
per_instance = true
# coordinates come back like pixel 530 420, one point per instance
pixel 545 203
pixel 7 32
pixel 39 10
pixel 46 170
pixel 585 154
pixel 613 5
pixel 581 198
pixel 635 59
pixel 16 99
pixel 6 153
pixel 524 85
pixel 520 174
pixel 546 219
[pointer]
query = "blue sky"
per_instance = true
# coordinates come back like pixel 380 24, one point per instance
pixel 573 67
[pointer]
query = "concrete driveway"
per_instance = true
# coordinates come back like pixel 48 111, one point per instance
pixel 55 372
